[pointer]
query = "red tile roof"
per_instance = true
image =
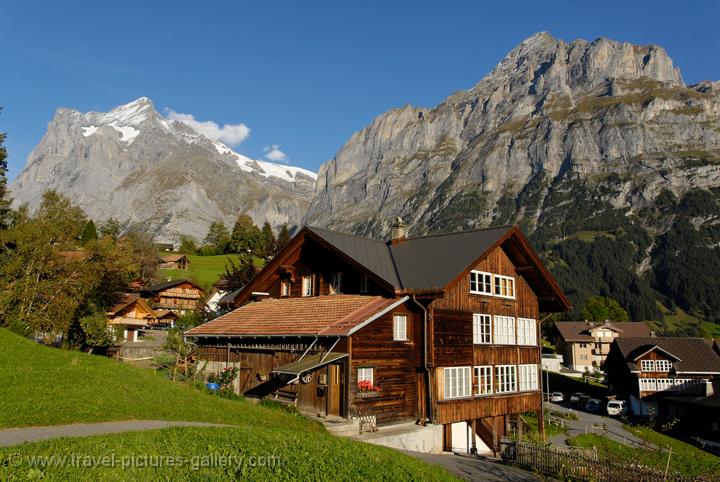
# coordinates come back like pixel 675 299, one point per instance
pixel 333 315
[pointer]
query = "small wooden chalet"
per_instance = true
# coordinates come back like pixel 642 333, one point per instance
pixel 174 261
pixel 179 296
pixel 440 329
pixel 584 345
pixel 132 313
pixel 646 370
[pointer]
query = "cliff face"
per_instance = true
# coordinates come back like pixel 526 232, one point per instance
pixel 157 175
pixel 549 113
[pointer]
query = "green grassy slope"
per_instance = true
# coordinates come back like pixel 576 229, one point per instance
pixel 205 270
pixel 47 386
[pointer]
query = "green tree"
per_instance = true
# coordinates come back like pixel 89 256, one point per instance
pixel 96 332
pixel 269 241
pixel 145 254
pixel 600 308
pixel 218 237
pixel 283 238
pixel 246 237
pixel 89 233
pixel 5 211
pixel 240 274
pixel 111 227
pixel 188 245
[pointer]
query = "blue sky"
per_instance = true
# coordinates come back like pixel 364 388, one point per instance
pixel 301 75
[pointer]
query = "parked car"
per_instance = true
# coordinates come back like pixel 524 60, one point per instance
pixel 575 397
pixel 557 397
pixel 616 408
pixel 593 405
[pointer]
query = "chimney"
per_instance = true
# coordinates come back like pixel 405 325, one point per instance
pixel 399 230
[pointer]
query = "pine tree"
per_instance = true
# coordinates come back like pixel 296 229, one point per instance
pixel 111 228
pixel 5 211
pixel 269 241
pixel 246 237
pixel 89 233
pixel 283 238
pixel 218 237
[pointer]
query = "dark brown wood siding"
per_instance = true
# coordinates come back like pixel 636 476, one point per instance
pixel 396 366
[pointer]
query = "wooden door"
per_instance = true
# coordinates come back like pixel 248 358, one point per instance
pixel 335 389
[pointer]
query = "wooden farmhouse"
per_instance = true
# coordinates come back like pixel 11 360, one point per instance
pixel 648 371
pixel 179 296
pixel 441 330
pixel 174 261
pixel 132 314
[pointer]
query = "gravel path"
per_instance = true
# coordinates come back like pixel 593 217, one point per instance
pixel 609 427
pixel 472 468
pixel 14 436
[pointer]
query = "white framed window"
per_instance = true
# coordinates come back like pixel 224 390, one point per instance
pixel 647 365
pixel 364 283
pixel 457 382
pixel 648 384
pixel 528 377
pixel 504 286
pixel 285 288
pixel 663 365
pixel 366 374
pixel 482 333
pixel 526 331
pixel 481 283
pixel 504 330
pixel 664 384
pixel 307 286
pixel 505 378
pixel 400 327
pixel 483 380
pixel 336 283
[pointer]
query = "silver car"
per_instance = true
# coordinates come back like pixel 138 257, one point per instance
pixel 557 397
pixel 616 408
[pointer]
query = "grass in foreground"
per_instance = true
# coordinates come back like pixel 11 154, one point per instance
pixel 259 454
pixel 49 386
pixel 685 458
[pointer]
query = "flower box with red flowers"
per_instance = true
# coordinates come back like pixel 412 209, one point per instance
pixel 366 389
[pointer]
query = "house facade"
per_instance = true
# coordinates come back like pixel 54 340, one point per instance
pixel 174 261
pixel 179 296
pixel 441 330
pixel 647 370
pixel 585 345
pixel 131 314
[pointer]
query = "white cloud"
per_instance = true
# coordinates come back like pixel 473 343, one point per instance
pixel 273 153
pixel 230 134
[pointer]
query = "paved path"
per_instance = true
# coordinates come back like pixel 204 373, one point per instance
pixel 14 436
pixel 477 468
pixel 586 423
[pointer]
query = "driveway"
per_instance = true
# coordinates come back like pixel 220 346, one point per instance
pixel 472 468
pixel 15 436
pixel 609 427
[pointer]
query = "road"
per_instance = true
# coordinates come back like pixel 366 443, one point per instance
pixel 591 423
pixel 472 468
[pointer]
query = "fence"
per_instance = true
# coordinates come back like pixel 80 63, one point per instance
pixel 580 465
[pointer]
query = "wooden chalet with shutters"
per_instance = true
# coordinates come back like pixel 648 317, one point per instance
pixel 440 329
pixel 179 296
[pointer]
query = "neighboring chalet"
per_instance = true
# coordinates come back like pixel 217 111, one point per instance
pixel 178 295
pixel 174 261
pixel 584 345
pixel 440 329
pixel 133 313
pixel 646 370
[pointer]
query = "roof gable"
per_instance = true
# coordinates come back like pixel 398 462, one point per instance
pixel 693 355
pixel 579 331
pixel 163 285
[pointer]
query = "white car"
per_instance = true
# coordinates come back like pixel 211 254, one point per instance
pixel 616 407
pixel 557 397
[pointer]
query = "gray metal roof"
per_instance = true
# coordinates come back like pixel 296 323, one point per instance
pixel 309 363
pixel 429 262
pixel 695 354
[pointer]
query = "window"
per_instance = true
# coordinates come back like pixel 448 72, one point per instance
pixel 663 365
pixel 366 374
pixel 664 384
pixel 648 385
pixel 481 329
pixel 528 377
pixel 307 286
pixel 336 283
pixel 526 331
pixel 284 288
pixel 483 380
pixel 647 365
pixel 504 378
pixel 364 284
pixel 504 330
pixel 480 283
pixel 400 328
pixel 457 382
pixel 504 286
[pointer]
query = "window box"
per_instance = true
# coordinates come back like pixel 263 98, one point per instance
pixel 370 394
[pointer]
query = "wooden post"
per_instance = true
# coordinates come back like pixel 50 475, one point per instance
pixel 473 430
pixel 541 421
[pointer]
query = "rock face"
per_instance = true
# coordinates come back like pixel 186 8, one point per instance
pixel 157 175
pixel 549 113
